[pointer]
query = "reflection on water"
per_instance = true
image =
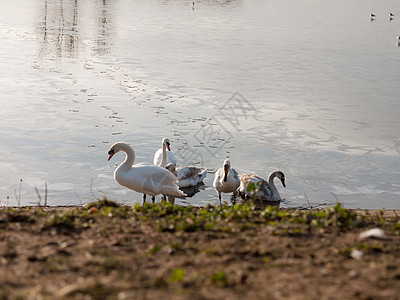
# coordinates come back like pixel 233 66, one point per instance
pixel 65 34
pixel 273 85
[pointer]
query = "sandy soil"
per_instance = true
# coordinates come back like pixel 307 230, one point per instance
pixel 158 252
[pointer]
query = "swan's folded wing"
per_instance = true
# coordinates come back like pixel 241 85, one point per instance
pixel 170 158
pixel 156 173
pixel 188 172
pixel 156 180
pixel 261 184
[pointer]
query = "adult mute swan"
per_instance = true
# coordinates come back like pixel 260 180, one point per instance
pixel 143 178
pixel 187 176
pixel 265 189
pixel 226 180
pixel 162 157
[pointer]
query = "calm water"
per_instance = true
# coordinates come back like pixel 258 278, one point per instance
pixel 310 88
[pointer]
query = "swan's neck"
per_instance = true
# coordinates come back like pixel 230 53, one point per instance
pixel 129 159
pixel 164 155
pixel 272 186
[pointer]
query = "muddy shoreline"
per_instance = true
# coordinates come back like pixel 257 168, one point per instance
pixel 107 251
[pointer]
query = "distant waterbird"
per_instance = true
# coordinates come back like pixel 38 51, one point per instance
pixel 373 16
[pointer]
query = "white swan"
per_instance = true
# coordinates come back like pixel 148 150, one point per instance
pixel 162 157
pixel 143 178
pixel 187 176
pixel 226 180
pixel 265 189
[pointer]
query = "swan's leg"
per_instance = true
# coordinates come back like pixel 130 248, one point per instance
pixel 163 198
pixel 233 198
pixel 144 198
pixel 171 199
pixel 219 196
pixel 153 199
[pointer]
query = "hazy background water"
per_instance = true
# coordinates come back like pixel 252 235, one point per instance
pixel 307 87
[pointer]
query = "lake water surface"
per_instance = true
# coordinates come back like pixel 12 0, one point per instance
pixel 307 87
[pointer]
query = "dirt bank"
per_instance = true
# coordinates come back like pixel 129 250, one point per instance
pixel 158 251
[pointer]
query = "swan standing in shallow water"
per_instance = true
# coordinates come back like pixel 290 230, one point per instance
pixel 266 189
pixel 162 157
pixel 226 180
pixel 187 176
pixel 143 178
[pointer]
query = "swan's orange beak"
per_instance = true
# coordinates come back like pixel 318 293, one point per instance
pixel 111 154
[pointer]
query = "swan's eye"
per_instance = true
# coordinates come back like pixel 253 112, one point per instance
pixel 111 152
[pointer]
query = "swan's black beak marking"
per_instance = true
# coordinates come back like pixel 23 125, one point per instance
pixel 225 177
pixel 283 182
pixel 111 153
pixel 168 146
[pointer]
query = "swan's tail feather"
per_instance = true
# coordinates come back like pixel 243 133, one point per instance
pixel 174 191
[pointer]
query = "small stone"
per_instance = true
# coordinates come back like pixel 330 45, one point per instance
pixel 375 233
pixel 353 274
pixel 356 254
pixel 93 210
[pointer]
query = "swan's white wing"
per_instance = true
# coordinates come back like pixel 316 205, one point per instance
pixel 158 157
pixel 217 178
pixel 149 179
pixel 234 177
pixel 170 158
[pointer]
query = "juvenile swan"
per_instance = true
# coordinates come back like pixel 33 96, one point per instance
pixel 187 176
pixel 143 178
pixel 162 157
pixel 266 189
pixel 226 180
